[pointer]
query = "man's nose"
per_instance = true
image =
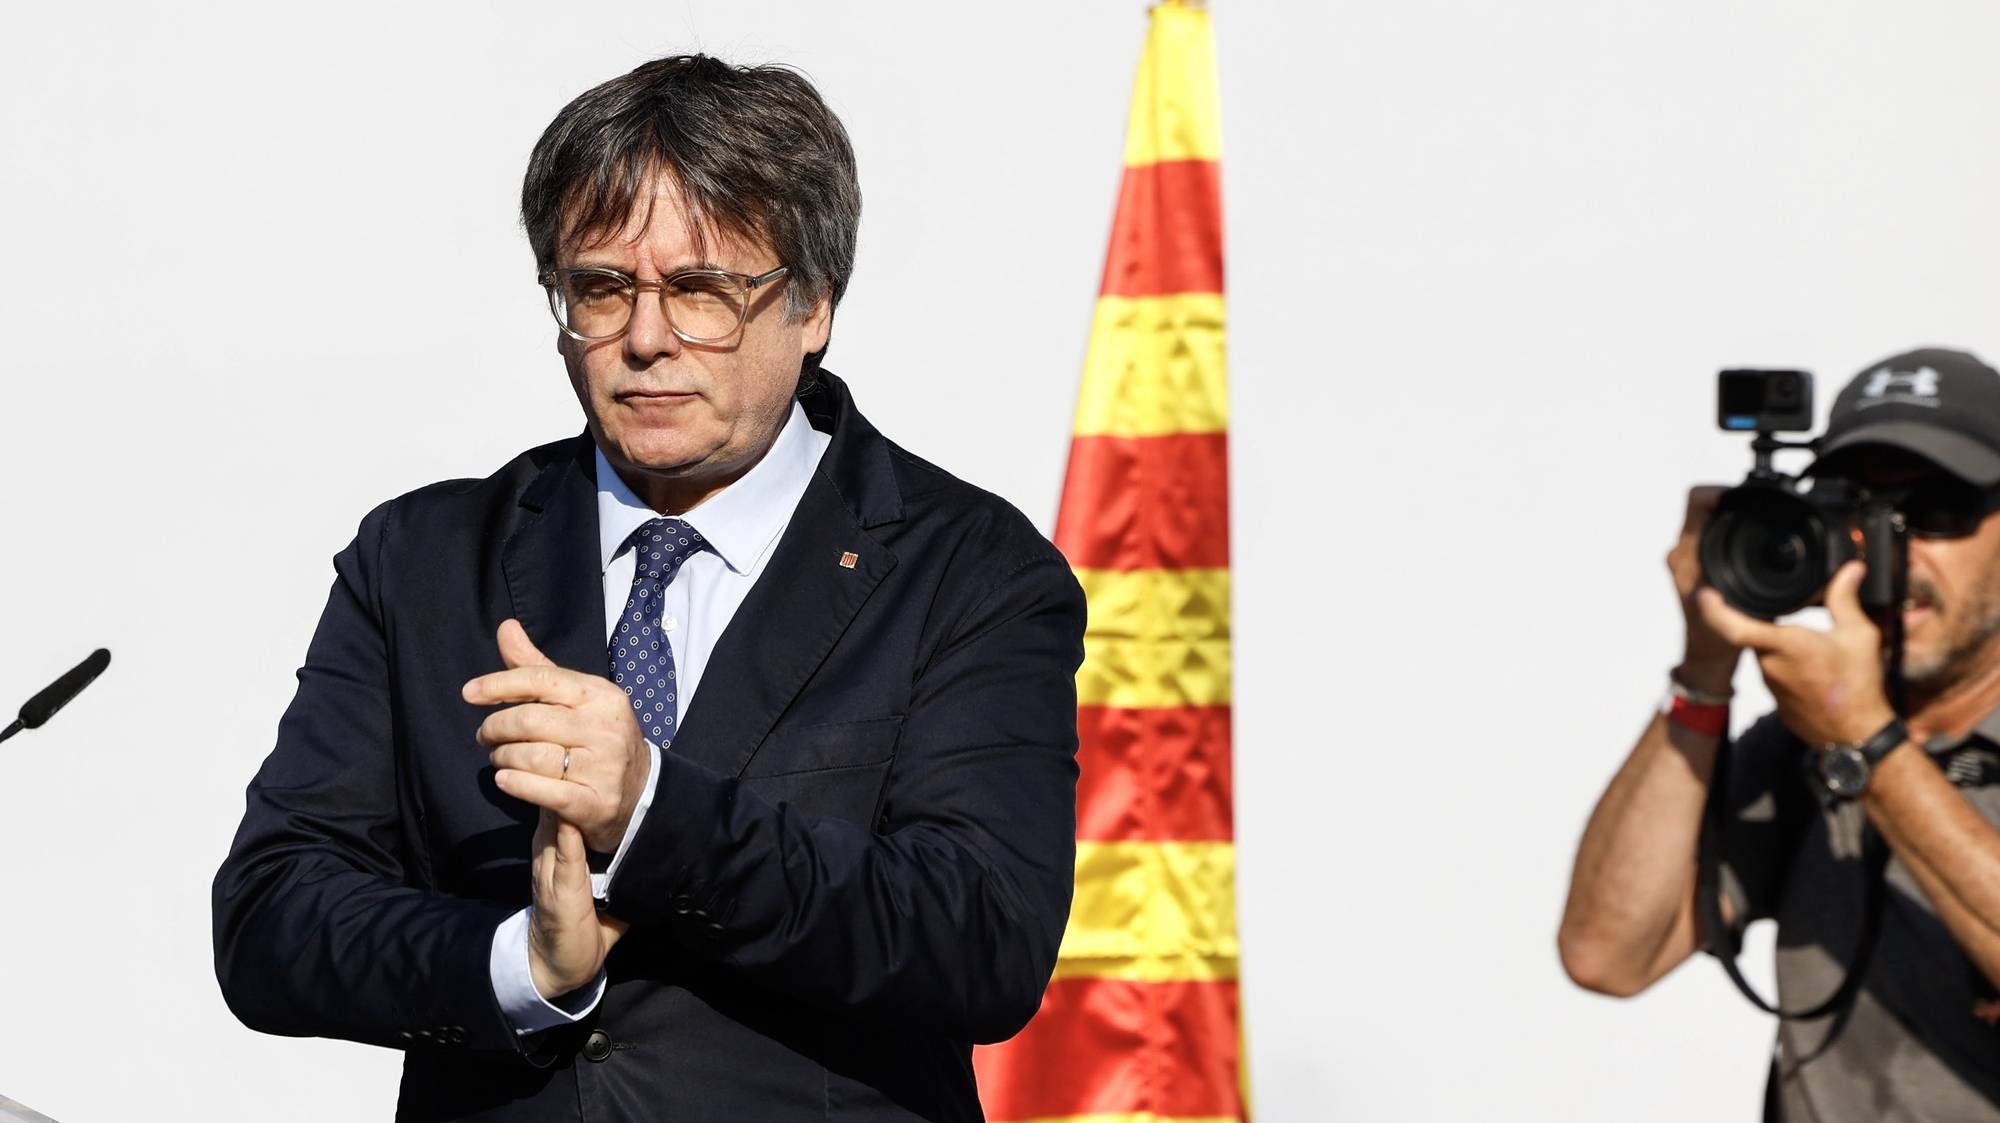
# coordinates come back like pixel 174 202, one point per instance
pixel 1917 558
pixel 649 336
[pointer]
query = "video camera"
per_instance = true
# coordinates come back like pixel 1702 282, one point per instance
pixel 1775 540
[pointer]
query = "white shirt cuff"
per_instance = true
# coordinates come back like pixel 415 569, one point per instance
pixel 600 883
pixel 514 983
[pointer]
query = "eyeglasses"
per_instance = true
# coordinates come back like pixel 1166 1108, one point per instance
pixel 701 305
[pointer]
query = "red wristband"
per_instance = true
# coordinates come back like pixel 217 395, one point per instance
pixel 1697 717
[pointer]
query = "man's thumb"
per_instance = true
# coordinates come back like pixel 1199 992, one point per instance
pixel 517 650
pixel 1843 595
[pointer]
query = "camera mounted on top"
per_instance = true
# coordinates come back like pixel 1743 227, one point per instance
pixel 1775 540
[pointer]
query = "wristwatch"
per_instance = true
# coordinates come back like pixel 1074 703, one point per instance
pixel 1846 769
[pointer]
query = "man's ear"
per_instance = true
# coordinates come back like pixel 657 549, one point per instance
pixel 817 327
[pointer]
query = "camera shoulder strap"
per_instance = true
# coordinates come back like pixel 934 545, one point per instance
pixel 1726 943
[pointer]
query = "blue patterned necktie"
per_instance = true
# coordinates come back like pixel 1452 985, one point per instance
pixel 641 659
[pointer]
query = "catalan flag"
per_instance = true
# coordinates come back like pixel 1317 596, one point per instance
pixel 1142 1023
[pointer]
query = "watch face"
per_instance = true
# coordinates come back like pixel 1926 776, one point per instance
pixel 1845 771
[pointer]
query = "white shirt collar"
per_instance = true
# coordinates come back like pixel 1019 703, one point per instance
pixel 740 521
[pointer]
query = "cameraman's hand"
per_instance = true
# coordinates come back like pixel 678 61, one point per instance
pixel 1709 659
pixel 1828 685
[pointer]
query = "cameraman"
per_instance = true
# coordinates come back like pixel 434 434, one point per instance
pixel 1920 1040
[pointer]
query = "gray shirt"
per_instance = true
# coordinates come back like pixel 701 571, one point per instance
pixel 1922 1041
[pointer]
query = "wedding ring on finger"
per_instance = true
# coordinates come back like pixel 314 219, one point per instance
pixel 565 768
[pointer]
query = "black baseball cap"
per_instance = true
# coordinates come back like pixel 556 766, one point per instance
pixel 1941 405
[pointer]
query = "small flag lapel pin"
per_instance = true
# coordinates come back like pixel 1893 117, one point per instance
pixel 847 560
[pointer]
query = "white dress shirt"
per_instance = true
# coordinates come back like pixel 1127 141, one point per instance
pixel 742 524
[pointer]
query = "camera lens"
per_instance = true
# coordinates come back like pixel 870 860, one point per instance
pixel 1766 549
pixel 1782 555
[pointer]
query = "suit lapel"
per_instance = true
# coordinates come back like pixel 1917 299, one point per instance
pixel 782 632
pixel 807 595
pixel 551 561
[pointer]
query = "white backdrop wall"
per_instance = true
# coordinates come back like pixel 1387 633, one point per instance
pixel 1484 259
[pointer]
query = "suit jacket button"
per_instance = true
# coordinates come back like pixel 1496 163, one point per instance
pixel 597 1047
pixel 683 905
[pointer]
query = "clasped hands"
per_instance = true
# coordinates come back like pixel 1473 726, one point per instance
pixel 568 743
pixel 1828 684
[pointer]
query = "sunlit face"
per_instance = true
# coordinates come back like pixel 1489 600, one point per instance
pixel 677 420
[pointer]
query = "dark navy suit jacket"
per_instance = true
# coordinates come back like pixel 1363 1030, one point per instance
pixel 857 864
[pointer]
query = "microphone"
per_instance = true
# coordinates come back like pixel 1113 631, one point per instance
pixel 57 694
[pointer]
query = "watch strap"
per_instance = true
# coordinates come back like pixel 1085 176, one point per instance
pixel 1885 742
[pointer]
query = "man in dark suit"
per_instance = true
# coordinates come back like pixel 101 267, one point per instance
pixel 498 832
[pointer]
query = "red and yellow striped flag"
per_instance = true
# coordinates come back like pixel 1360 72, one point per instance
pixel 1142 1022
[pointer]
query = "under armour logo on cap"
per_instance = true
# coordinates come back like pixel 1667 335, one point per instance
pixel 1920 384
